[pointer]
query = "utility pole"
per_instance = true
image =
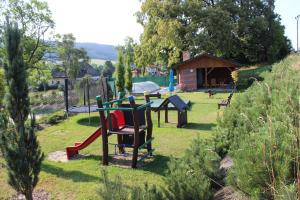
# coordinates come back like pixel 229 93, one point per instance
pixel 297 18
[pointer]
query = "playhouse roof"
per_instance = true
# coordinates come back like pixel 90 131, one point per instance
pixel 178 103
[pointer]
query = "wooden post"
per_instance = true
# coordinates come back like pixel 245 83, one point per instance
pixel 88 99
pixel 66 96
pixel 149 124
pixel 206 84
pixel 136 142
pixel 166 114
pixel 179 119
pixel 158 118
pixel 104 132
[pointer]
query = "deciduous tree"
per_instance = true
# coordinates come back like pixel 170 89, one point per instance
pixel 248 31
pixel 108 69
pixel 71 57
pixel 35 20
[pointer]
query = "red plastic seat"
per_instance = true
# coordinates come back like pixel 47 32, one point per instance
pixel 120 119
pixel 114 122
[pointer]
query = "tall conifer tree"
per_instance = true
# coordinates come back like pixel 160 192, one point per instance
pixel 19 144
pixel 128 75
pixel 120 72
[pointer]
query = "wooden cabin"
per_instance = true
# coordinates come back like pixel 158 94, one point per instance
pixel 204 71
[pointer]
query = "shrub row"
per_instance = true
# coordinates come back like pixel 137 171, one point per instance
pixel 260 131
pixel 53 118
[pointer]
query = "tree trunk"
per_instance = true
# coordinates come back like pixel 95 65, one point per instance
pixel 28 195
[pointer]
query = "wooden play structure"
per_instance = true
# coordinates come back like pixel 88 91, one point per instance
pixel 131 123
pixel 171 103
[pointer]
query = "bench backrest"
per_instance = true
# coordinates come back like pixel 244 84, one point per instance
pixel 229 97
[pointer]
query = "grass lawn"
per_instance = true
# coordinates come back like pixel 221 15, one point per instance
pixel 80 179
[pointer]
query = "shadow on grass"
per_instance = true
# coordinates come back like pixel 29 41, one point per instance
pixel 76 176
pixel 200 126
pixel 93 121
pixel 158 166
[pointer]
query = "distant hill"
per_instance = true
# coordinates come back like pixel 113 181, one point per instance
pixel 98 51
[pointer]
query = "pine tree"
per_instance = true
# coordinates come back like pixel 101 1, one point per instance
pixel 19 144
pixel 16 77
pixel 120 71
pixel 128 76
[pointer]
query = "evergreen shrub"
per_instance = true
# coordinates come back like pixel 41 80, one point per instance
pixel 260 131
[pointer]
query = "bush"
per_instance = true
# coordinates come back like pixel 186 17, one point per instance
pixel 52 119
pixel 259 130
pixel 112 189
pixel 190 177
pixel 264 161
pixel 147 192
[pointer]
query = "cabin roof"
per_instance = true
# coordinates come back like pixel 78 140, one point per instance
pixel 200 56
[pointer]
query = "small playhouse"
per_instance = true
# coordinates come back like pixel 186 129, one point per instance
pixel 204 71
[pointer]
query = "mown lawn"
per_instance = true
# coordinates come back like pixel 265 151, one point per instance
pixel 80 179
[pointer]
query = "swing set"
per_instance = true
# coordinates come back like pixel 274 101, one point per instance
pixel 131 123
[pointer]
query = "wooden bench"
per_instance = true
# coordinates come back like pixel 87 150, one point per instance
pixel 225 102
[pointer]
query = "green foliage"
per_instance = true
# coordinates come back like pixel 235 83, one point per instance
pixel 19 144
pixel 2 87
pixel 287 192
pixel 190 177
pixel 112 189
pixel 260 131
pixel 23 156
pixel 147 192
pixel 35 20
pixel 16 77
pixel 248 31
pixel 128 49
pixel 53 118
pixel 108 69
pixel 128 76
pixel 120 72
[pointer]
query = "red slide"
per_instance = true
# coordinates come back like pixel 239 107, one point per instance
pixel 71 151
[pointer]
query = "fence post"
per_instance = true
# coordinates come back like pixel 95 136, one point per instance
pixel 88 99
pixel 66 96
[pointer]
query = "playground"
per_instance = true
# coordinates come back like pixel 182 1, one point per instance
pixel 80 178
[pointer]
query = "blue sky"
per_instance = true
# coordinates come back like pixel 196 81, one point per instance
pixel 110 21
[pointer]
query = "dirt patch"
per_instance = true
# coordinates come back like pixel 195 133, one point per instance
pixel 58 156
pixel 125 161
pixel 61 156
pixel 37 195
pixel 119 160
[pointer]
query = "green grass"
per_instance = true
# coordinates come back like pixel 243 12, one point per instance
pixel 80 179
pixel 254 72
